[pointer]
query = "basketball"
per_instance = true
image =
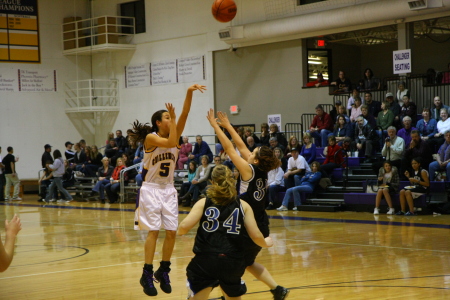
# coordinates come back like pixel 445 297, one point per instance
pixel 224 10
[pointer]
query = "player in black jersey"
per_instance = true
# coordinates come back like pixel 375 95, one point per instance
pixel 219 243
pixel 253 167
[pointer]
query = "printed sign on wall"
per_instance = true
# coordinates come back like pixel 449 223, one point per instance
pixel 402 61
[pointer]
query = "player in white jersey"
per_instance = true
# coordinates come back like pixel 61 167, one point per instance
pixel 158 204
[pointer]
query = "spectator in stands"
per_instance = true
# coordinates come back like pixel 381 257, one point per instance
pixel 308 149
pixel 321 126
pixel 139 154
pixel 405 132
pixel 436 110
pixel 297 165
pixel 187 184
pixel 201 149
pixel 132 146
pixel 138 177
pixel 416 148
pixel 356 109
pixel 409 109
pixel 82 143
pixel 79 158
pixel 366 115
pixel 371 82
pixel 305 184
pixel 343 111
pixel 240 131
pixel 342 84
pixel 374 106
pixel 341 130
pixel 275 181
pixel 126 160
pixel 237 177
pixel 219 147
pixel 265 135
pixel 248 132
pixel 385 116
pixel 401 92
pixel 442 126
pixel 273 129
pixel 199 182
pixel 360 86
pixel 351 100
pixel 274 144
pixel 335 111
pixel 394 107
pixel 68 179
pixel 183 156
pixel 121 142
pixel 333 159
pixel 250 142
pixel 44 182
pixel 93 161
pixel 318 82
pixel 104 177
pixel 446 76
pixel 393 148
pixel 9 161
pixel 293 143
pixel 69 154
pixel 279 154
pixel 427 127
pixel 365 138
pixel 418 177
pixel 46 156
pixel 2 178
pixel 388 184
pixel 109 136
pixel 442 159
pixel 113 187
pixel 58 171
pixel 225 158
pixel 111 152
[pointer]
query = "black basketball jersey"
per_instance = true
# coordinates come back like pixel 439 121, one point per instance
pixel 221 230
pixel 254 192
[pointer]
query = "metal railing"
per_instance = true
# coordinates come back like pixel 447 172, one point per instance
pixel 122 180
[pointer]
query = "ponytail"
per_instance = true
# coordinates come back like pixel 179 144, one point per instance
pixel 223 188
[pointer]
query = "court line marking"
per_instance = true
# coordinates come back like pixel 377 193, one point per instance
pixel 377 246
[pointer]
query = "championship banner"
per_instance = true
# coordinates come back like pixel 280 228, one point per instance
pixel 19 31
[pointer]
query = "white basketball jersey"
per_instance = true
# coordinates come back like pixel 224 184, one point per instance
pixel 159 164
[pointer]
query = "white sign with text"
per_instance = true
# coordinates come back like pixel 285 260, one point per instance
pixel 191 69
pixel 9 80
pixel 137 76
pixel 274 119
pixel 402 61
pixel 164 72
pixel 37 80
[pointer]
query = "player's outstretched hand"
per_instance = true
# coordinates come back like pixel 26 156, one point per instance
pixel 197 87
pixel 211 118
pixel 223 120
pixel 171 110
pixel 14 226
pixel 269 241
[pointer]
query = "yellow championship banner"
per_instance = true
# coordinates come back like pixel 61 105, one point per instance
pixel 19 31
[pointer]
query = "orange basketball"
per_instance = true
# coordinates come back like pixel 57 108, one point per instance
pixel 224 10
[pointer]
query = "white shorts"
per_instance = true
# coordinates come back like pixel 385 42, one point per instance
pixel 158 208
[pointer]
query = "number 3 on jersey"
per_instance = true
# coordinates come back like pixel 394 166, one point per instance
pixel 212 224
pixel 164 169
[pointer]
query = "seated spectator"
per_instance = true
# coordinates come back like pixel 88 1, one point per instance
pixel 248 132
pixel 240 131
pixel 79 158
pixel 46 156
pixel 186 149
pixel 279 154
pixel 126 160
pixel 442 159
pixel 351 100
pixel 109 136
pixel 275 181
pixel 394 107
pixel 297 165
pixel 393 149
pixel 199 182
pixel 187 184
pixel 45 181
pixel 265 135
pixel 121 142
pixel 111 151
pixel 371 82
pixel 360 86
pixel 83 144
pixel 405 132
pixel 416 148
pixel 274 144
pixel 442 126
pixel 366 115
pixel 333 159
pixel 251 145
pixel 409 109
pixel 274 132
pixel 293 143
pixel 436 110
pixel 93 161
pixel 132 146
pixel 237 177
pixel 343 112
pixel 343 85
pixel 385 116
pixel 374 106
pixel 321 126
pixel 308 149
pixel 305 184
pixel 139 154
pixel 335 111
pixel 365 138
pixel 342 129
pixel 219 147
pixel 418 177
pixel 356 109
pixel 388 183
pixel 427 127
pixel 201 148
pixel 401 92
pixel 318 82
pixel 112 188
pixel 69 154
pixel 104 177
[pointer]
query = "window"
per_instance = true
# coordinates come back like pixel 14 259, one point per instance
pixel 304 2
pixel 319 61
pixel 134 9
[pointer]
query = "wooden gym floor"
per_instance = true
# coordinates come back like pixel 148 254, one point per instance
pixel 86 250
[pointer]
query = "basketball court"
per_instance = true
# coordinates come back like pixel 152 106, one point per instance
pixel 86 250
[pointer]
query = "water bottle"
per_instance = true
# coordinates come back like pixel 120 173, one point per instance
pixel 111 180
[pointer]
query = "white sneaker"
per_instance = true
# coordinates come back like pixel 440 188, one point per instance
pixel 391 211
pixel 295 208
pixel 51 200
pixel 282 208
pixel 376 211
pixel 16 199
pixel 67 201
pixel 61 200
pixel 7 199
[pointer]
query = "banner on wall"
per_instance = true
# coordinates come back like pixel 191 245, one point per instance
pixel 402 61
pixel 19 31
pixel 137 76
pixel 164 72
pixel 37 80
pixel 274 119
pixel 191 69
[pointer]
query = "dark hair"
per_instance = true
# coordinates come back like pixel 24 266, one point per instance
pixel 358 98
pixel 317 164
pixel 332 138
pixel 371 72
pixel 319 107
pixel 387 162
pixel 195 167
pixel 140 131
pixel 82 141
pixel 266 159
pixel 368 93
pixel 418 160
pixel 336 126
pixel 423 109
pixel 415 132
pixel 119 130
pixel 57 154
pixel 9 149
pixel 223 188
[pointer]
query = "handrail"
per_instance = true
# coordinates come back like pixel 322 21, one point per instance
pixel 122 180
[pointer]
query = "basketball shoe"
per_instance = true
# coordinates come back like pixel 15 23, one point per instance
pixel 147 283
pixel 164 281
pixel 280 293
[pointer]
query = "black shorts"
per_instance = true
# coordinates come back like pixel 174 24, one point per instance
pixel 212 270
pixel 251 249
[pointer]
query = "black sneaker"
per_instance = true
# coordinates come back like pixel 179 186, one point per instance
pixel 147 283
pixel 164 281
pixel 280 293
pixel 270 207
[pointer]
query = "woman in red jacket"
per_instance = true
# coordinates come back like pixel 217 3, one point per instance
pixel 332 160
